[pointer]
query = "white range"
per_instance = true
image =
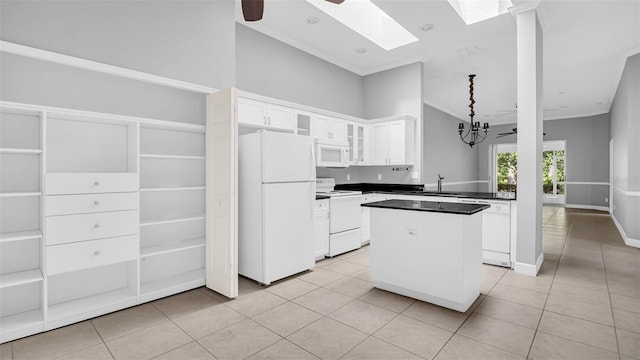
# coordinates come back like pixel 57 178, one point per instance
pixel 345 217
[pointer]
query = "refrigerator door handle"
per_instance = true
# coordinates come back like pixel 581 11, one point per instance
pixel 313 179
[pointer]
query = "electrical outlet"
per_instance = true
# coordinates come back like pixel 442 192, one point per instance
pixel 379 176
pixel 606 199
pixel 348 177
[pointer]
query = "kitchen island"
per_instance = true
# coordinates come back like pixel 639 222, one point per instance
pixel 431 251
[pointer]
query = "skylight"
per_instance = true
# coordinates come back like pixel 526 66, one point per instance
pixel 368 20
pixel 473 11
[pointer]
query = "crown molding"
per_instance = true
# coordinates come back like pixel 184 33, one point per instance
pixel 50 56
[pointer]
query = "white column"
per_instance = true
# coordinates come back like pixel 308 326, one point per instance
pixel 529 254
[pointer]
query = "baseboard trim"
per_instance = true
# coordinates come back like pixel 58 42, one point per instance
pixel 528 269
pixel 627 240
pixel 588 207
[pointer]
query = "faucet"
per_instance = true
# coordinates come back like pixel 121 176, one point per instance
pixel 440 178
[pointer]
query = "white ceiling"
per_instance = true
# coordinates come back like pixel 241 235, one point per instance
pixel 585 44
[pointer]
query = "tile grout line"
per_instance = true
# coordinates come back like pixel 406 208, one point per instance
pixel 535 334
pixel 101 338
pixel 613 317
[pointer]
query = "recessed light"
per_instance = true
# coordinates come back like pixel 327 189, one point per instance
pixel 561 92
pixel 599 103
pixel 311 20
pixel 486 115
pixel 564 107
pixel 361 50
pixel 427 27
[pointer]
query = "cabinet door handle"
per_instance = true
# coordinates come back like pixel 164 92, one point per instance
pixel 264 120
pixel 96 253
pixel 96 183
pixel 96 226
pixel 96 203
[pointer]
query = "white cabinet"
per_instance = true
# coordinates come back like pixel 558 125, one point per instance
pixel 265 115
pixel 356 134
pixel 321 228
pixel 326 127
pixel 365 229
pixel 392 143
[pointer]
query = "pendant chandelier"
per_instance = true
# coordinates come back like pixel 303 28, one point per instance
pixel 473 134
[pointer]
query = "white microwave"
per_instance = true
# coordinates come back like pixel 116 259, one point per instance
pixel 330 153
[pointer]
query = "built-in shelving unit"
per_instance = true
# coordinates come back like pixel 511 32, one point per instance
pixel 99 212
pixel 93 188
pixel 172 204
pixel 22 306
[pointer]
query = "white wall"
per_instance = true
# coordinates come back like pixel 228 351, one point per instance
pixel 625 132
pixel 189 41
pixel 269 67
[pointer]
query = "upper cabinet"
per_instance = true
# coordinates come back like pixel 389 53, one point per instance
pixel 392 143
pixel 356 139
pixel 329 128
pixel 265 115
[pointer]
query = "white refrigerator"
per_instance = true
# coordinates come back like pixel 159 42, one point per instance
pixel 276 180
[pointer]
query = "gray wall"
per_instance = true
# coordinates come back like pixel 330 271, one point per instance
pixel 272 68
pixel 391 92
pixel 587 155
pixel 445 154
pixel 189 41
pixel 625 132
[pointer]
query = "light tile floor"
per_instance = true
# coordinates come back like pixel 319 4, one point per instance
pixel 584 304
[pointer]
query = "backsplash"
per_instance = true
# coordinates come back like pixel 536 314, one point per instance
pixel 366 174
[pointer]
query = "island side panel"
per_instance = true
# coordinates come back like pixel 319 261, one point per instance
pixel 419 254
pixel 472 250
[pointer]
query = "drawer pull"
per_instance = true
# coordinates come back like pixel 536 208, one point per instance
pixel 96 253
pixel 96 183
pixel 96 226
pixel 96 203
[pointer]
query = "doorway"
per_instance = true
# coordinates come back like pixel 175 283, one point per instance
pixel 503 170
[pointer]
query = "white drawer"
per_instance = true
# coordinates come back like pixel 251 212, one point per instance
pixel 322 204
pixel 92 203
pixel 88 254
pixel 71 228
pixel 90 183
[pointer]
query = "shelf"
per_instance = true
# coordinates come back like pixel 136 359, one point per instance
pixel 21 321
pixel 159 288
pixel 170 221
pixel 20 194
pixel 172 247
pixel 172 126
pixel 20 236
pixel 184 188
pixel 20 151
pixel 173 157
pixel 20 278
pixel 110 299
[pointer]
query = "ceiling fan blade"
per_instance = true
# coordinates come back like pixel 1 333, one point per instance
pixel 505 134
pixel 252 9
pixel 336 1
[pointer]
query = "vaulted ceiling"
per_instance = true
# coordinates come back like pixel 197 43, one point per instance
pixel 585 44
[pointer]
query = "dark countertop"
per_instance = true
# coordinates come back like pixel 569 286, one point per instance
pixel 410 189
pixel 320 197
pixel 431 206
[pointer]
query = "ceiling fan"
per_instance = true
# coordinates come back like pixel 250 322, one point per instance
pixel 512 132
pixel 509 112
pixel 252 9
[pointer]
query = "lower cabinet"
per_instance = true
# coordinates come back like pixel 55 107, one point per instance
pixel 321 228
